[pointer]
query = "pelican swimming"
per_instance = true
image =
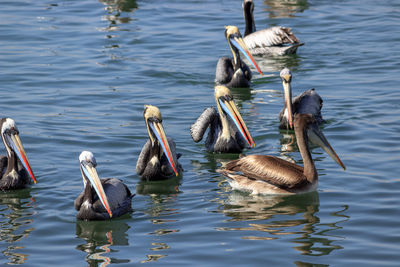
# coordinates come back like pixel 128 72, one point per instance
pixel 101 199
pixel 308 102
pixel 158 158
pixel 271 41
pixel 15 169
pixel 228 133
pixel 260 174
pixel 233 72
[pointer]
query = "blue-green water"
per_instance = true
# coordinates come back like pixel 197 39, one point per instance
pixel 75 75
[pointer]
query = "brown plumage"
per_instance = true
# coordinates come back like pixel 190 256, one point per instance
pixel 261 174
pixel 274 170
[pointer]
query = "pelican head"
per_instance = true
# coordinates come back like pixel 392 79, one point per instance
pixel 286 77
pixel 237 44
pixel 153 119
pixel 10 136
pixel 248 5
pixel 88 165
pixel 226 106
pixel 315 135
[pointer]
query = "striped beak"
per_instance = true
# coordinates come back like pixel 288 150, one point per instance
pixel 89 173
pixel 15 143
pixel 237 41
pixel 229 107
pixel 158 130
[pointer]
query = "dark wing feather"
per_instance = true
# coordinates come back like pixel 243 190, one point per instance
pixel 309 102
pixel 246 71
pixel 268 168
pixel 198 128
pixel 166 168
pixel 224 71
pixel 118 195
pixel 78 201
pixel 240 140
pixel 143 158
pixel 3 165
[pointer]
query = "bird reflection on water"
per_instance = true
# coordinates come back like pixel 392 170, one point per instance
pixel 241 95
pixel 159 208
pixel 288 143
pixel 284 216
pixel 16 212
pixel 100 237
pixel 115 8
pixel 169 186
pixel 275 64
pixel 212 162
pixel 285 8
pixel 115 15
pixel 120 5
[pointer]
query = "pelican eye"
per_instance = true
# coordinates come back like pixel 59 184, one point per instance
pixel 155 119
pixel 288 80
pixel 235 35
pixel 89 163
pixel 226 98
pixel 11 131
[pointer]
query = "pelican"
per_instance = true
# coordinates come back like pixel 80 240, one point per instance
pixel 260 174
pixel 308 102
pixel 271 41
pixel 158 159
pixel 233 72
pixel 15 169
pixel 228 133
pixel 101 199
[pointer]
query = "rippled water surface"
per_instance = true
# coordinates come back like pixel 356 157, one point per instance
pixel 75 75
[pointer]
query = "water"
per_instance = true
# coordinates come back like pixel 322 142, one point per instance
pixel 76 74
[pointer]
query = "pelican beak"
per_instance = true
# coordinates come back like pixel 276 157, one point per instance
pixel 317 137
pixel 229 106
pixel 238 42
pixel 16 145
pixel 158 130
pixel 287 89
pixel 89 172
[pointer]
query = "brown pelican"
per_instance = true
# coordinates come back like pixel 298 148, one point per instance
pixel 158 159
pixel 223 135
pixel 101 199
pixel 233 72
pixel 15 169
pixel 260 174
pixel 271 41
pixel 308 102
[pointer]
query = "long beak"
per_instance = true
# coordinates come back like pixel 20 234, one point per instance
pixel 239 44
pixel 287 89
pixel 158 130
pixel 230 108
pixel 317 137
pixel 19 150
pixel 91 174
